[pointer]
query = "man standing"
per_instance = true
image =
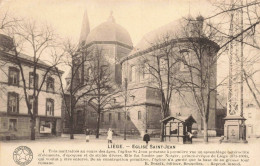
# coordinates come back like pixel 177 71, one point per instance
pixel 146 137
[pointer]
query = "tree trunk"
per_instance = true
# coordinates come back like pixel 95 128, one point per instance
pixel 98 124
pixel 161 134
pixel 33 124
pixel 205 126
pixel 71 129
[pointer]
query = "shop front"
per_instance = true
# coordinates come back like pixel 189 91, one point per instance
pixel 49 126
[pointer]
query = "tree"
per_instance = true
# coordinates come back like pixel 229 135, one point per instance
pixel 199 56
pixel 79 85
pixel 244 33
pixel 37 40
pixel 160 65
pixel 103 84
pixel 6 21
pixel 121 100
pixel 184 61
pixel 247 36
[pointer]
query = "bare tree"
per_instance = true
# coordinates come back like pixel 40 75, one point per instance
pixel 36 39
pixel 160 65
pixel 199 56
pixel 103 84
pixel 247 36
pixel 6 21
pixel 79 85
pixel 192 49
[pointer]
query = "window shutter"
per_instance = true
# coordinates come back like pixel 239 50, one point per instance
pixel 130 75
pixel 18 77
pixel 46 107
pixel 52 107
pixel 9 77
pixel 17 99
pixel 8 102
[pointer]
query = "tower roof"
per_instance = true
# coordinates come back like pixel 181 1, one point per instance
pixel 85 28
pixel 109 31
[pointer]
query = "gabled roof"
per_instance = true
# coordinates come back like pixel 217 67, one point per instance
pixel 183 119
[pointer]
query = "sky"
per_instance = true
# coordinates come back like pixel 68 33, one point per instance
pixel 138 17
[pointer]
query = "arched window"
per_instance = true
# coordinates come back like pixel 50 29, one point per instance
pixel 88 73
pixel 144 71
pixel 109 117
pixel 139 115
pixel 118 116
pixel 184 60
pixel 133 73
pixel 163 65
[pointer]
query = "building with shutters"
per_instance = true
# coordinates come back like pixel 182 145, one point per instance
pixel 14 117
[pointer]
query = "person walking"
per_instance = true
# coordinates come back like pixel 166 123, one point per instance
pixel 146 137
pixel 87 134
pixel 109 135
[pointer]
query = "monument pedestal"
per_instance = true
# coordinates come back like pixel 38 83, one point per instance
pixel 234 130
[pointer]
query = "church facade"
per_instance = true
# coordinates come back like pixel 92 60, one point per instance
pixel 139 107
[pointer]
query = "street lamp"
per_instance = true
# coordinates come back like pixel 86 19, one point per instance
pixel 126 84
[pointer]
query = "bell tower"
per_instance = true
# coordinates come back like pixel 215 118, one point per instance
pixel 85 28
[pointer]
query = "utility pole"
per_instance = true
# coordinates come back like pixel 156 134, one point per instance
pixel 234 130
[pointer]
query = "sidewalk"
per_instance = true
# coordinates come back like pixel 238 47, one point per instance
pixel 80 138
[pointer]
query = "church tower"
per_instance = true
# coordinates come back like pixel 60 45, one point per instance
pixel 85 28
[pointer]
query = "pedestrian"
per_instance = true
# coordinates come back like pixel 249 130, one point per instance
pixel 190 135
pixel 109 135
pixel 146 137
pixel 87 135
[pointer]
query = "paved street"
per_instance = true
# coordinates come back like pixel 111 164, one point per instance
pixel 80 138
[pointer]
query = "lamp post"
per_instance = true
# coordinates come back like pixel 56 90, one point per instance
pixel 125 108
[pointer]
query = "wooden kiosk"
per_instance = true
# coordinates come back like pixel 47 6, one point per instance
pixel 178 129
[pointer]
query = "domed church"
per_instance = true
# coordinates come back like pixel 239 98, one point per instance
pixel 143 97
pixel 116 43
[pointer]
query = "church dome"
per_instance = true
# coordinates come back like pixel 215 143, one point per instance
pixel 109 31
pixel 176 29
pixel 156 36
